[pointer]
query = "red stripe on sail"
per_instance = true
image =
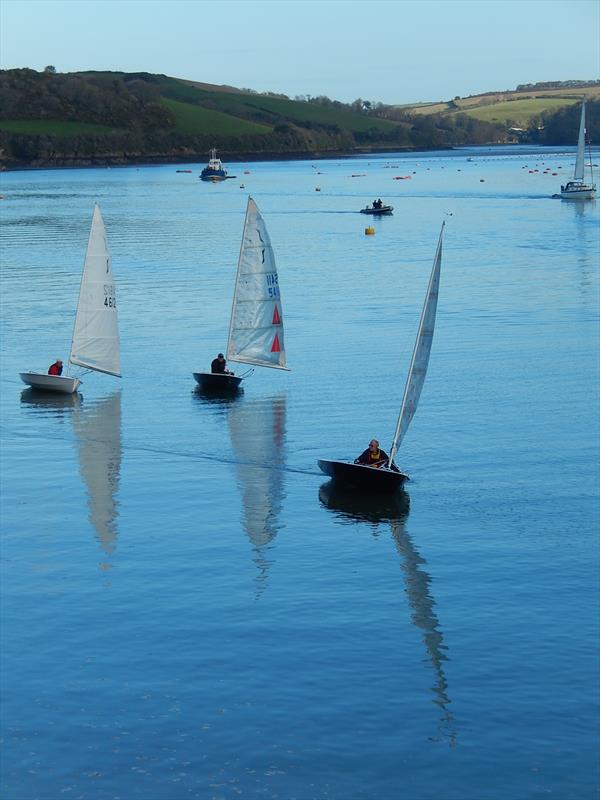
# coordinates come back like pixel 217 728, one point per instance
pixel 275 348
pixel 276 317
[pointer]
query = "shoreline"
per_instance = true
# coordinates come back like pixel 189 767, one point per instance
pixel 200 158
pixel 242 158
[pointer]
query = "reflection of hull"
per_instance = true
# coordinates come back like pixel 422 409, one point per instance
pixel 370 507
pixel 362 477
pixel 38 397
pixel 216 383
pixel 50 383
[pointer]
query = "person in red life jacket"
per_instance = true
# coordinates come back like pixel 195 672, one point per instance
pixel 374 456
pixel 56 368
pixel 219 365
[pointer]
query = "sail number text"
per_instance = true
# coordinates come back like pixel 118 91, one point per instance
pixel 110 301
pixel 272 285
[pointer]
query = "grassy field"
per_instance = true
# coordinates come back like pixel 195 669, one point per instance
pixel 48 127
pixel 520 112
pixel 194 119
pixel 518 107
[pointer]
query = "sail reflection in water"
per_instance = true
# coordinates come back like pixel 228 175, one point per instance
pixel 98 432
pixel 393 510
pixel 257 430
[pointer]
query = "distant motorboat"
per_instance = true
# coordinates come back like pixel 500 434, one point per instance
pixel 214 170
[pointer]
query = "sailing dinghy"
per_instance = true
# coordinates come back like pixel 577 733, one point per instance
pixel 256 325
pixel 385 479
pixel 95 343
pixel 577 188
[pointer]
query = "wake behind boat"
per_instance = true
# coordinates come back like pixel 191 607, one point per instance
pixel 577 188
pixel 256 324
pixel 384 478
pixel 95 343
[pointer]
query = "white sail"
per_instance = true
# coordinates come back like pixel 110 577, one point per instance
pixel 420 357
pixel 580 160
pixel 256 328
pixel 96 334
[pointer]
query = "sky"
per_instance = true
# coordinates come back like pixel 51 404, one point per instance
pixel 391 51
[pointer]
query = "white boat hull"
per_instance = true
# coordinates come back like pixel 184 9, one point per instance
pixel 50 383
pixel 579 192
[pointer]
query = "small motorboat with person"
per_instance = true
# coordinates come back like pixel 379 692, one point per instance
pixel 378 209
pixel 376 471
pixel 95 343
pixel 256 324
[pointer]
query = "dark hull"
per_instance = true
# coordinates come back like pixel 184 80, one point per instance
pixel 378 212
pixel 215 383
pixel 359 476
pixel 213 175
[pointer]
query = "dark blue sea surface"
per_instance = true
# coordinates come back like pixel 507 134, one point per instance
pixel 190 609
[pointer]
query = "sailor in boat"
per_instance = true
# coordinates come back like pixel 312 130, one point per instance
pixel 56 368
pixel 374 456
pixel 218 366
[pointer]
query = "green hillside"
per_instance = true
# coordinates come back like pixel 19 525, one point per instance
pixel 55 119
pixel 195 119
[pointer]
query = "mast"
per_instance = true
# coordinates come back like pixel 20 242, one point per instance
pixel 420 356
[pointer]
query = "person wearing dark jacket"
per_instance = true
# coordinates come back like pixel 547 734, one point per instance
pixel 374 456
pixel 219 365
pixel 56 368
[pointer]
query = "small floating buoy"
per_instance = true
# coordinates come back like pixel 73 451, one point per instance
pixel 481 180
pixel 242 186
pixel 369 231
pixel 317 188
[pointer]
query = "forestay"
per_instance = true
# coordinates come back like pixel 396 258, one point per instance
pixel 420 357
pixel 96 334
pixel 256 328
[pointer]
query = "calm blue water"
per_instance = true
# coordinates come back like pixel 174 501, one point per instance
pixel 189 609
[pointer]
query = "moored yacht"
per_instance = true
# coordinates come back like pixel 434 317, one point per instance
pixel 577 188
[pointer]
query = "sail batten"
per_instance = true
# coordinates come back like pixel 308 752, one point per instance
pixel 256 326
pixel 422 350
pixel 95 342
